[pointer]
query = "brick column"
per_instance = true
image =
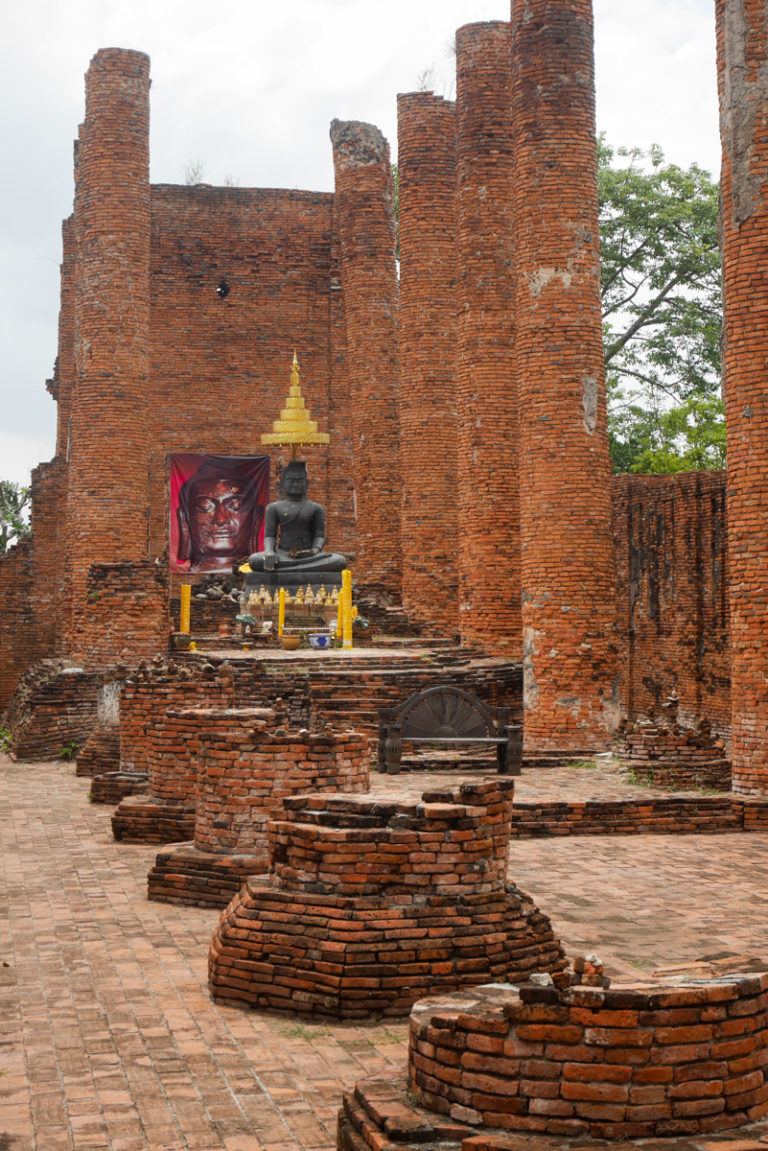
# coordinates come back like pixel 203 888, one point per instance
pixel 567 555
pixel 109 436
pixel 742 32
pixel 489 508
pixel 364 220
pixel 426 127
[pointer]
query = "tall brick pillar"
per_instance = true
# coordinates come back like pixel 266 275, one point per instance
pixel 426 126
pixel 742 39
pixel 489 501
pixel 570 687
pixel 364 220
pixel 109 433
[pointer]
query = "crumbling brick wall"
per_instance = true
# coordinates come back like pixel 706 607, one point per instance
pixel 53 711
pixel 672 596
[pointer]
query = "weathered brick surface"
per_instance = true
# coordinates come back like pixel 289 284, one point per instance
pixel 109 435
pixel 54 707
pixel 672 596
pixel 101 753
pixel 246 769
pixel 426 162
pixel 487 393
pixel 370 904
pixel 154 739
pixel 617 1064
pixel 677 815
pixel 30 579
pixel 567 556
pixel 742 29
pixel 365 222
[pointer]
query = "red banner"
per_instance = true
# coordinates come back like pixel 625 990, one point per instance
pixel 217 510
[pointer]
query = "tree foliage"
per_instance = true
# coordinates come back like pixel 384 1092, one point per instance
pixel 662 312
pixel 14 506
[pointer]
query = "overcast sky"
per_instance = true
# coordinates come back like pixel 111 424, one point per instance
pixel 248 88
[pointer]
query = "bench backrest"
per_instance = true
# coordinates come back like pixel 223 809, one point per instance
pixel 445 712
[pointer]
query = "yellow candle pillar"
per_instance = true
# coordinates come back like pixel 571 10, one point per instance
pixel 185 614
pixel 346 596
pixel 281 612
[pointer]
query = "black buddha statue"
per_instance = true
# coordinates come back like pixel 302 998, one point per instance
pixel 294 534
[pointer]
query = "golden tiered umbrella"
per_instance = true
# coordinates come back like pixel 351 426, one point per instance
pixel 295 426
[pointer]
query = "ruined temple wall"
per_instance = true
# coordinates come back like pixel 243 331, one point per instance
pixel 426 128
pixel 220 365
pixel 672 595
pixel 364 220
pixel 487 393
pixel 742 52
pixel 567 554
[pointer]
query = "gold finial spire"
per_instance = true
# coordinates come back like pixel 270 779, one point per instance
pixel 294 426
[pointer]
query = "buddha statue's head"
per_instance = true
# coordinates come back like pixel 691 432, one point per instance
pixel 294 482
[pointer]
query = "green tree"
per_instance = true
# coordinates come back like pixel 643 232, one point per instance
pixel 14 505
pixel 662 312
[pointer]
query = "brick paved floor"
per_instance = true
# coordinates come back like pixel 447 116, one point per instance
pixel 108 1038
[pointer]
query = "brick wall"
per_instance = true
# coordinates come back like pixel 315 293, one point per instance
pixel 487 394
pixel 672 596
pixel 567 556
pixel 364 220
pixel 426 160
pixel 741 40
pixel 623 1064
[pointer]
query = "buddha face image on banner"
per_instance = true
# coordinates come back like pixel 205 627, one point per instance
pixel 217 510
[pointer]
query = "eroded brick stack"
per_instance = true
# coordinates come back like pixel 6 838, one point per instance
pixel 365 223
pixel 370 904
pixel 246 770
pixel 611 1064
pixel 742 31
pixel 53 711
pixel 487 394
pixel 567 556
pixel 670 756
pixel 426 161
pixel 154 739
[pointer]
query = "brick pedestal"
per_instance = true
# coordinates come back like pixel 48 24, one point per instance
pixel 154 738
pixel 246 770
pixel 370 904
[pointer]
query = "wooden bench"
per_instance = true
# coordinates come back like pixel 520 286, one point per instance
pixel 448 715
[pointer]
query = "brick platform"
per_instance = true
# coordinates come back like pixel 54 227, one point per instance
pixel 371 903
pixel 635 1062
